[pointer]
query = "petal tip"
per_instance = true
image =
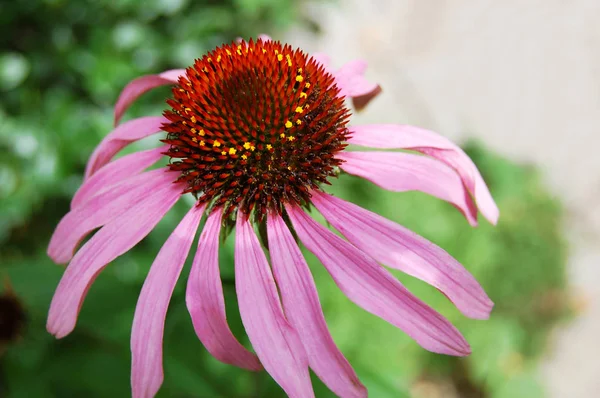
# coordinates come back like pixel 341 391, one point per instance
pixel 460 348
pixel 466 351
pixel 482 314
pixel 493 218
pixel 360 102
pixel 58 330
pixel 59 258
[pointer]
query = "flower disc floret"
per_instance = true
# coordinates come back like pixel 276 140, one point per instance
pixel 254 126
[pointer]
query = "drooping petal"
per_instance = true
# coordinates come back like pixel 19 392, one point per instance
pixel 303 310
pixel 151 310
pixel 110 242
pixel 101 209
pixel 120 137
pixel 352 83
pixel 206 304
pixel 400 172
pixel 400 248
pixel 116 172
pixel 139 86
pixel 371 287
pixel 388 136
pixel 273 338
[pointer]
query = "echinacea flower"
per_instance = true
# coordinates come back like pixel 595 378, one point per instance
pixel 254 132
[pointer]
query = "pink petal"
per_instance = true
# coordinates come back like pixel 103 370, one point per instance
pixel 116 172
pixel 262 37
pixel 273 338
pixel 139 86
pixel 110 242
pixel 206 304
pixel 303 310
pixel 352 83
pixel 322 58
pixel 427 142
pixel 151 310
pixel 400 248
pixel 400 172
pixel 102 209
pixel 119 138
pixel 370 286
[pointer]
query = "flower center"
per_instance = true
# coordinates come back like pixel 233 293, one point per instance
pixel 255 125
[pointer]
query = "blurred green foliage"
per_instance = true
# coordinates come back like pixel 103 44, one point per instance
pixel 61 68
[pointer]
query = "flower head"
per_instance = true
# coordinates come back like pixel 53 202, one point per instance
pixel 254 131
pixel 254 126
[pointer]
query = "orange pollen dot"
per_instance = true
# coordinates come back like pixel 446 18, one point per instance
pixel 247 101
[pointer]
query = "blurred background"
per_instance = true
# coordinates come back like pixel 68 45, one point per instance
pixel 515 82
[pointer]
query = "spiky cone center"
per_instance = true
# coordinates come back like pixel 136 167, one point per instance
pixel 254 126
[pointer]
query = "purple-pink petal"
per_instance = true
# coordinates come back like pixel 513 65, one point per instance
pixel 110 242
pixel 102 209
pixel 206 304
pixel 139 86
pixel 120 137
pixel 350 80
pixel 321 58
pixel 116 172
pixel 400 248
pixel 400 172
pixel 388 136
pixel 151 310
pixel 352 83
pixel 262 37
pixel 273 338
pixel 303 310
pixel 371 287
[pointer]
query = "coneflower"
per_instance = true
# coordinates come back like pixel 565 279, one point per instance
pixel 254 131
